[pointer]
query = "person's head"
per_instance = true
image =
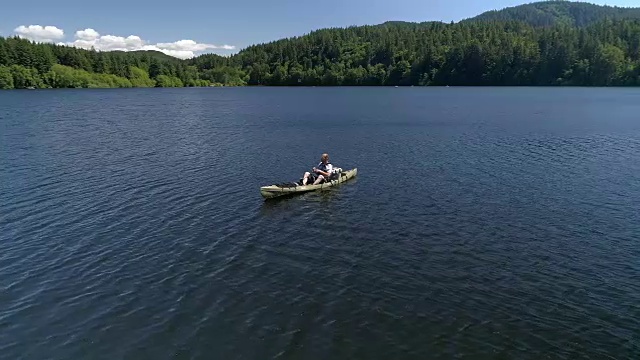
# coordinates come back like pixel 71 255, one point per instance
pixel 325 158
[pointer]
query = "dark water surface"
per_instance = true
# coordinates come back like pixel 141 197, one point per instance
pixel 484 223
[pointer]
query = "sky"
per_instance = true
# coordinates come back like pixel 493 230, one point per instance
pixel 186 29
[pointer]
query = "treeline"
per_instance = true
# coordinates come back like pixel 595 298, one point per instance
pixel 550 13
pixel 606 53
pixel 480 53
pixel 24 64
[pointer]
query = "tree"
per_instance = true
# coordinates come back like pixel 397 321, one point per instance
pixel 608 65
pixel 25 77
pixel 140 78
pixel 168 81
pixel 155 69
pixel 6 79
pixel 4 56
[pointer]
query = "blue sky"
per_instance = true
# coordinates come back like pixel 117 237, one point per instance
pixel 235 23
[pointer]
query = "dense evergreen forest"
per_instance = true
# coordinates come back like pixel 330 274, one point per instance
pixel 548 13
pixel 548 43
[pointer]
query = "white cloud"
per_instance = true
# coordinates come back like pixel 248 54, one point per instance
pixel 90 38
pixel 183 49
pixel 39 33
pixel 190 45
pixel 87 34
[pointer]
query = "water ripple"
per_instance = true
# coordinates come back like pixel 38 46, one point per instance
pixel 137 230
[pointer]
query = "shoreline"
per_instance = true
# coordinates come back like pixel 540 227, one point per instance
pixel 334 86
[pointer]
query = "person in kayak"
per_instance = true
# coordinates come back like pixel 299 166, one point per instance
pixel 321 173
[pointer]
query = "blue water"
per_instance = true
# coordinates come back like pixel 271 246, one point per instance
pixel 484 223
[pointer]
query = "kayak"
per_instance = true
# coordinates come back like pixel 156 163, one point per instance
pixel 272 191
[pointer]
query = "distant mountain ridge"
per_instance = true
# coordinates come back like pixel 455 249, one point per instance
pixel 158 55
pixel 549 13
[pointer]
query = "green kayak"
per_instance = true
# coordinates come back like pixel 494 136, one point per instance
pixel 272 191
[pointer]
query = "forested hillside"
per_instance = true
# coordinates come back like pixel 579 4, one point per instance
pixel 25 64
pixel 548 13
pixel 495 52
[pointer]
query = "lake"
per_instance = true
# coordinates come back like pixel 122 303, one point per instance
pixel 484 223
